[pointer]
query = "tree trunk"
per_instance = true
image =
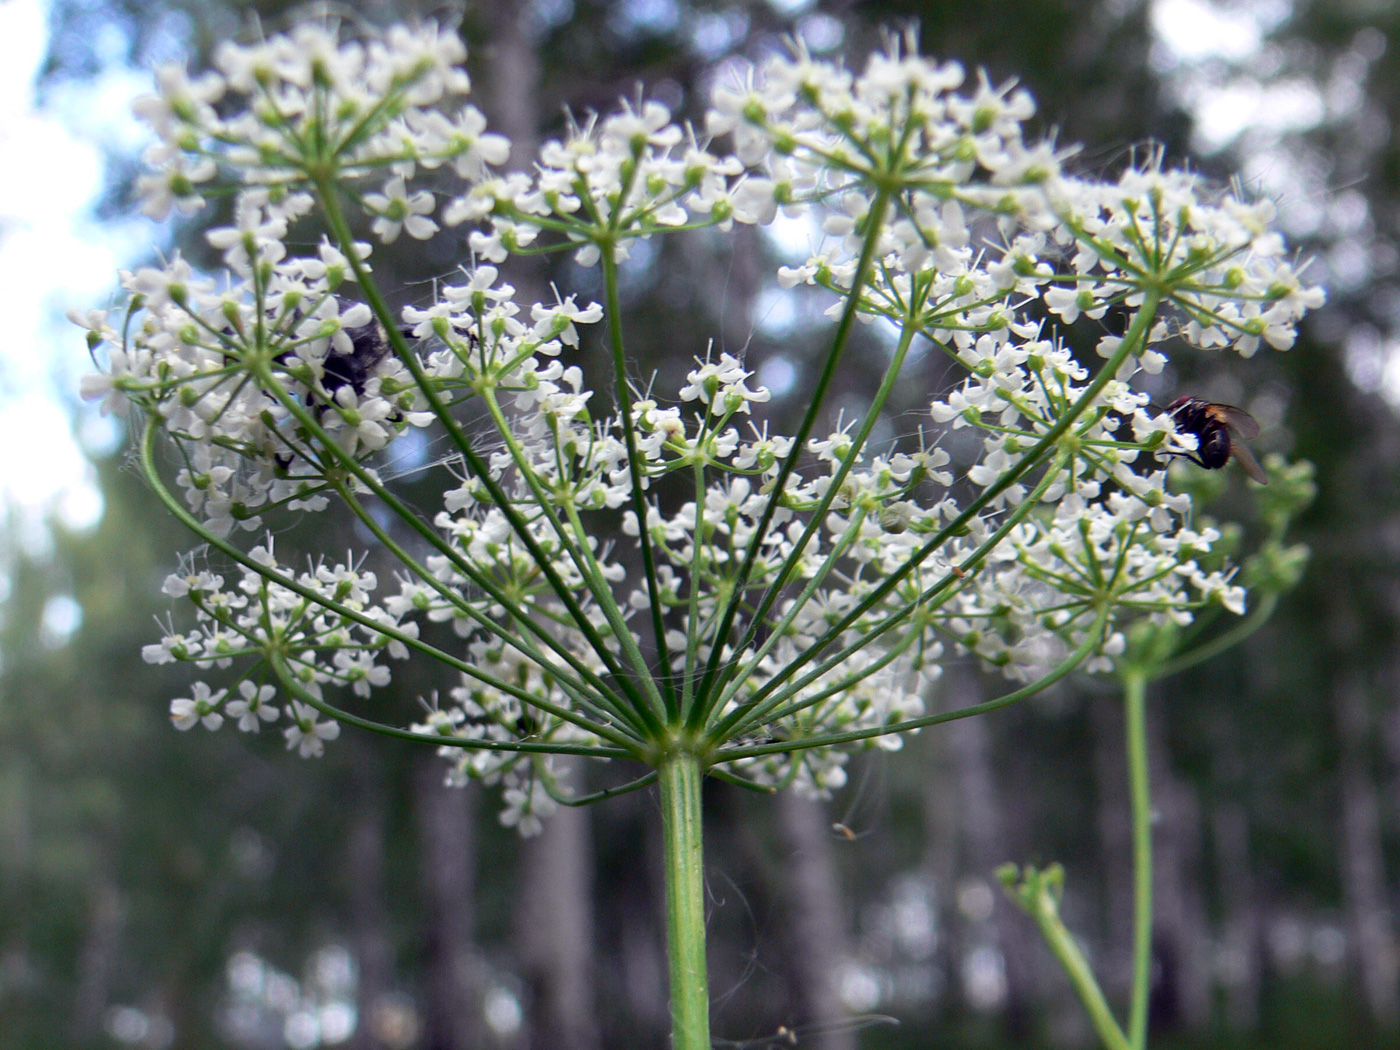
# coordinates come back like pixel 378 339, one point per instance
pixel 1363 866
pixel 364 874
pixel 817 911
pixel 1240 935
pixel 514 66
pixel 1114 967
pixel 95 961
pixel 985 844
pixel 554 932
pixel 939 863
pixel 1181 938
pixel 453 970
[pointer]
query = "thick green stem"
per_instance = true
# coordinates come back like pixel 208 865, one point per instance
pixel 1135 695
pixel 685 901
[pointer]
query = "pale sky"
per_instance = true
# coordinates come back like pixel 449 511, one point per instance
pixel 52 256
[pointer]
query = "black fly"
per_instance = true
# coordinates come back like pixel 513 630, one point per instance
pixel 1215 428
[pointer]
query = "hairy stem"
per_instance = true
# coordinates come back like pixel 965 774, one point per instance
pixel 685 901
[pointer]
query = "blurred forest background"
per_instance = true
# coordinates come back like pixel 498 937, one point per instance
pixel 209 890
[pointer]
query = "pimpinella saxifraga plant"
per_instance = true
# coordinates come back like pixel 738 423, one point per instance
pixel 656 577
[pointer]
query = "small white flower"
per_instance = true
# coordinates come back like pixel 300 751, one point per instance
pixel 201 706
pixel 396 211
pixel 253 706
pixel 306 734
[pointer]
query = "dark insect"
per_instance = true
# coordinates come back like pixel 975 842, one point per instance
pixel 1220 432
pixel 369 344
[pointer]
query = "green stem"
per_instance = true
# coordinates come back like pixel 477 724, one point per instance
pixel 1135 694
pixel 600 703
pixel 875 220
pixel 579 553
pixel 1047 917
pixel 761 704
pixel 637 470
pixel 815 522
pixel 1133 340
pixel 1091 642
pixel 685 901
pixel 526 747
pixel 412 641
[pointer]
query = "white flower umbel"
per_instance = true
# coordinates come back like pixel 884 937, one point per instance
pixel 791 595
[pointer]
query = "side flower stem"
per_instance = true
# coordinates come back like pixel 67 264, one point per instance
pixel 685 901
pixel 1061 942
pixel 1135 694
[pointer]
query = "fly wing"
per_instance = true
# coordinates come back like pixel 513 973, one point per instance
pixel 1245 459
pixel 1238 420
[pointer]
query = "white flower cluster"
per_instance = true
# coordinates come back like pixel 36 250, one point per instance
pixel 324 629
pixel 626 574
pixel 309 100
pixel 256 378
pixel 812 132
pixel 625 177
